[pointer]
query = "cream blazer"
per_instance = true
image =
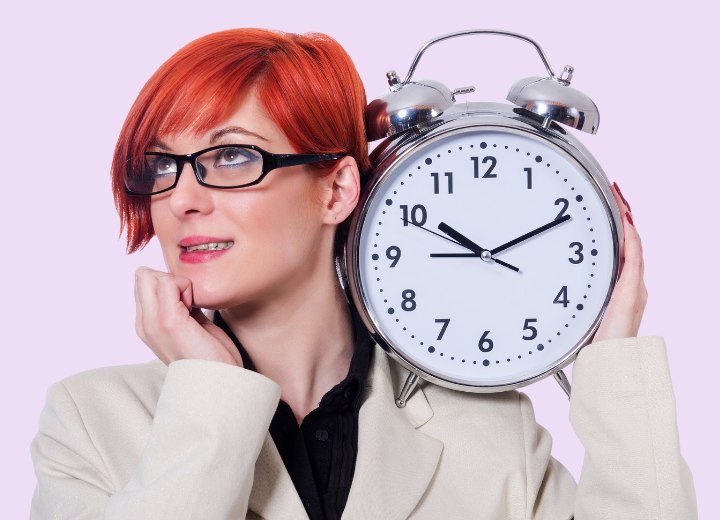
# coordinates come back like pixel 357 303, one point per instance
pixel 190 441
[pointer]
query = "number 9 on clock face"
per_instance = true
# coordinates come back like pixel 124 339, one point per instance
pixel 485 256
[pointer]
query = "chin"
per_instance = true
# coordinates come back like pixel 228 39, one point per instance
pixel 214 294
pixel 213 297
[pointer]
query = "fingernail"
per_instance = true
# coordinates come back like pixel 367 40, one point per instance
pixel 617 188
pixel 629 217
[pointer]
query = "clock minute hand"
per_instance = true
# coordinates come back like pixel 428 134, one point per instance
pixel 530 234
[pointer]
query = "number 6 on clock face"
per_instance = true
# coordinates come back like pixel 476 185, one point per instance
pixel 484 256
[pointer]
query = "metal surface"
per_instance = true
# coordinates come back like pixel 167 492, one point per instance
pixel 562 380
pixel 422 50
pixel 554 100
pixel 475 116
pixel 410 104
pixel 410 384
pixel 400 110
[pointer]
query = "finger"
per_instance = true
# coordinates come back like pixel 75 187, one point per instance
pixel 633 247
pixel 171 310
pixel 621 209
pixel 138 308
pixel 184 288
pixel 218 334
pixel 145 290
pixel 633 244
pixel 145 285
pixel 622 203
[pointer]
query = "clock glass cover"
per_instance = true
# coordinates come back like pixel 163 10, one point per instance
pixel 442 281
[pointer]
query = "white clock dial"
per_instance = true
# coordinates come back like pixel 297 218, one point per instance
pixel 476 321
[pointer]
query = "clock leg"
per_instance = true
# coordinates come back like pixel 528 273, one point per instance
pixel 562 380
pixel 410 383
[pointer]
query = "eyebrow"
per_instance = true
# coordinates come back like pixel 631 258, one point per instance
pixel 234 130
pixel 157 143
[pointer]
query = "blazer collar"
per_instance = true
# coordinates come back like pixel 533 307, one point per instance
pixel 395 461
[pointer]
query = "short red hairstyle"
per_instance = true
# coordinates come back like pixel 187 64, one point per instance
pixel 306 83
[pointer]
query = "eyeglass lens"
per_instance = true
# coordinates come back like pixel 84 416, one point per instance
pixel 223 167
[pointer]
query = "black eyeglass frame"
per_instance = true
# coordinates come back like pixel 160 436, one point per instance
pixel 271 161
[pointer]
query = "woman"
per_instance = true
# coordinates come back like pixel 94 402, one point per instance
pixel 243 154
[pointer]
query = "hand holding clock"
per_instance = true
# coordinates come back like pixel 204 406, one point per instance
pixel 627 303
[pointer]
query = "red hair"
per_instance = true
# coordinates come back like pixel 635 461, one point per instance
pixel 306 83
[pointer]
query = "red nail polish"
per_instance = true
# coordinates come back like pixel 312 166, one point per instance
pixel 629 217
pixel 617 188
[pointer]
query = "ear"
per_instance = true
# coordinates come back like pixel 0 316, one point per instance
pixel 342 191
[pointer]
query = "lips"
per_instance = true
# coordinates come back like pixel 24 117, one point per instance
pixel 197 240
pixel 198 249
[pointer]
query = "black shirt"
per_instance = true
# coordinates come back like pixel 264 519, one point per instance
pixel 320 453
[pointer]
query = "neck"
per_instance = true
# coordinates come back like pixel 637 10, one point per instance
pixel 302 341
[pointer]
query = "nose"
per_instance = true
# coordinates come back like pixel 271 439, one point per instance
pixel 188 197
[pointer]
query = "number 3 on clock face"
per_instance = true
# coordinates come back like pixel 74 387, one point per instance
pixel 485 256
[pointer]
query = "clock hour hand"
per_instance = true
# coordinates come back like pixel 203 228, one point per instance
pixel 504 264
pixel 530 234
pixel 464 241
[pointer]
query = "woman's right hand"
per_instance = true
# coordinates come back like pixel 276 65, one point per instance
pixel 171 327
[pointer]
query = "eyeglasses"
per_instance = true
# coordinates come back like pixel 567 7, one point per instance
pixel 223 166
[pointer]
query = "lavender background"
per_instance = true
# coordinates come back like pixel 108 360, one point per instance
pixel 71 70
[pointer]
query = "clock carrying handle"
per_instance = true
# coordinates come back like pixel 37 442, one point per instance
pixel 470 32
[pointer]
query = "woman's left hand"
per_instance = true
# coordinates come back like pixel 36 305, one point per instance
pixel 627 304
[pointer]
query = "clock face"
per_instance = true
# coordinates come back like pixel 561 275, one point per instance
pixel 450 278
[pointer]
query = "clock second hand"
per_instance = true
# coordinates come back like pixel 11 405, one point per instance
pixel 504 264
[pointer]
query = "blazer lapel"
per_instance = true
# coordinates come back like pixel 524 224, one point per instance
pixel 395 461
pixel 273 494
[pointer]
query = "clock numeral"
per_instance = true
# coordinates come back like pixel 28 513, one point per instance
pixel 476 167
pixel 408 302
pixel 529 177
pixel 565 205
pixel 485 344
pixel 436 181
pixel 527 326
pixel 393 253
pixel 578 252
pixel 445 322
pixel 418 214
pixel 562 297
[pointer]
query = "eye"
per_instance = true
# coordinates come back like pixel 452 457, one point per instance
pixel 164 166
pixel 234 157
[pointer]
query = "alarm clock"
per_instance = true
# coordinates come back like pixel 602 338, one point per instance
pixel 486 243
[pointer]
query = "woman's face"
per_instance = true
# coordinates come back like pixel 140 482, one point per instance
pixel 275 227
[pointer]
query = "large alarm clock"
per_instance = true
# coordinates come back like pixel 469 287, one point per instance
pixel 486 243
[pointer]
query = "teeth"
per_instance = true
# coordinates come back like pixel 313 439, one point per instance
pixel 211 246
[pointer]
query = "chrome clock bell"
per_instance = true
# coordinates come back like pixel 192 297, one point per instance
pixel 486 244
